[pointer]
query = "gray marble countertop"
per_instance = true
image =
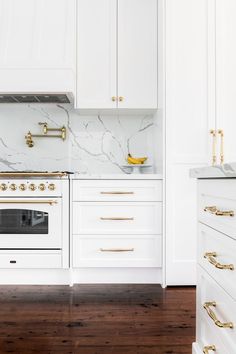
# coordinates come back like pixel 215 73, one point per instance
pixel 228 170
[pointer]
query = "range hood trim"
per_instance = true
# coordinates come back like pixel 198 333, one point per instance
pixel 36 97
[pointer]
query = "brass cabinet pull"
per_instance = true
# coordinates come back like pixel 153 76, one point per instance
pixel 221 133
pixel 116 193
pixel 12 201
pixel 217 212
pixel 114 98
pixel 208 348
pixel 116 218
pixel 117 249
pixel 210 256
pixel 213 133
pixel 207 306
pixel 121 98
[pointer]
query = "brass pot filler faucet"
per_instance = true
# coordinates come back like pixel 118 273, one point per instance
pixel 29 136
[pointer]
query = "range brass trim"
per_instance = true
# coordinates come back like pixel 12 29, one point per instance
pixel 33 174
pixel 208 348
pixel 207 306
pixel 117 249
pixel 210 256
pixel 23 201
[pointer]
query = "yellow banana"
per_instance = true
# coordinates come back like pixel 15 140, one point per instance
pixel 136 160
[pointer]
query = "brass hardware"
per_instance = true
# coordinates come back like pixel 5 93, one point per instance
pixel 210 256
pixel 42 187
pixel 221 133
pixel 117 249
pixel 116 192
pixel 3 187
pixel 121 99
pixel 208 348
pixel 51 187
pixel 22 187
pixel 114 98
pixel 32 187
pixel 207 306
pixel 29 136
pixel 116 218
pixel 13 187
pixel 18 201
pixel 213 133
pixel 217 212
pixel 33 174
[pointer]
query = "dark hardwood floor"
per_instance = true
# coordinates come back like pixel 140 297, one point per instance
pixel 96 319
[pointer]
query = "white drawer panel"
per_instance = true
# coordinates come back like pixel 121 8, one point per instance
pixel 217 193
pixel 30 259
pixel 117 218
pixel 117 190
pixel 110 251
pixel 224 247
pixel 225 310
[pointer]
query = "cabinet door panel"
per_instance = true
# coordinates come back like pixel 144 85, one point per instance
pixel 137 53
pixel 96 54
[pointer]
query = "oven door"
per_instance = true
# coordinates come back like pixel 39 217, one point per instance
pixel 30 223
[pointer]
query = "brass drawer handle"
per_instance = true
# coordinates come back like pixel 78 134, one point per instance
pixel 217 212
pixel 210 256
pixel 116 218
pixel 207 306
pixel 208 348
pixel 116 193
pixel 117 249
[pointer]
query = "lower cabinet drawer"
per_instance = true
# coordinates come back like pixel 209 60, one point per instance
pixel 216 310
pixel 110 251
pixel 28 259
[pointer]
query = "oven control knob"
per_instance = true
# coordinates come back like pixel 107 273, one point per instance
pixel 32 186
pixel 42 187
pixel 3 187
pixel 13 187
pixel 51 187
pixel 22 187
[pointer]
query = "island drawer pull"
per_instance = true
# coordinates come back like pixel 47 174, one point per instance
pixel 117 249
pixel 207 306
pixel 217 212
pixel 115 218
pixel 208 348
pixel 210 256
pixel 116 193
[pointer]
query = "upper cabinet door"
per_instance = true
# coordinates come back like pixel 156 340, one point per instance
pixel 137 53
pixel 96 54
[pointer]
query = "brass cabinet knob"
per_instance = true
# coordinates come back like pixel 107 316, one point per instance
pixel 51 187
pixel 32 186
pixel 42 187
pixel 3 187
pixel 121 99
pixel 13 187
pixel 209 348
pixel 113 98
pixel 22 187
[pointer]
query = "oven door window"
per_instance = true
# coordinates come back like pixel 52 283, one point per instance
pixel 23 221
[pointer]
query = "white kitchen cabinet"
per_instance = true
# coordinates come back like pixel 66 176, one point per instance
pixel 117 54
pixel 37 45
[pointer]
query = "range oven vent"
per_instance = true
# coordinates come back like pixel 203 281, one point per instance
pixel 36 98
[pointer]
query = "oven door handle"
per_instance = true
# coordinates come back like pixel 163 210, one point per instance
pixel 23 201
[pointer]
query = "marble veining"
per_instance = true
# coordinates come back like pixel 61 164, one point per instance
pixel 94 144
pixel 228 170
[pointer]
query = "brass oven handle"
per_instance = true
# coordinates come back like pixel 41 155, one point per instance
pixel 210 256
pixel 217 212
pixel 207 306
pixel 207 348
pixel 13 201
pixel 221 133
pixel 116 218
pixel 116 192
pixel 213 133
pixel 116 249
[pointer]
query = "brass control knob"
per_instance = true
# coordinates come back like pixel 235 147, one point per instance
pixel 22 187
pixel 51 187
pixel 3 187
pixel 42 187
pixel 32 186
pixel 13 187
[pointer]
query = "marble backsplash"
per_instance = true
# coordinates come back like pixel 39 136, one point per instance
pixel 94 144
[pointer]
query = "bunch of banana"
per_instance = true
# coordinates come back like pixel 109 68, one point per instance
pixel 136 160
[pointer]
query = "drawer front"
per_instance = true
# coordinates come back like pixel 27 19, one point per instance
pixel 19 259
pixel 217 255
pixel 117 190
pixel 217 205
pixel 117 218
pixel 209 294
pixel 109 251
